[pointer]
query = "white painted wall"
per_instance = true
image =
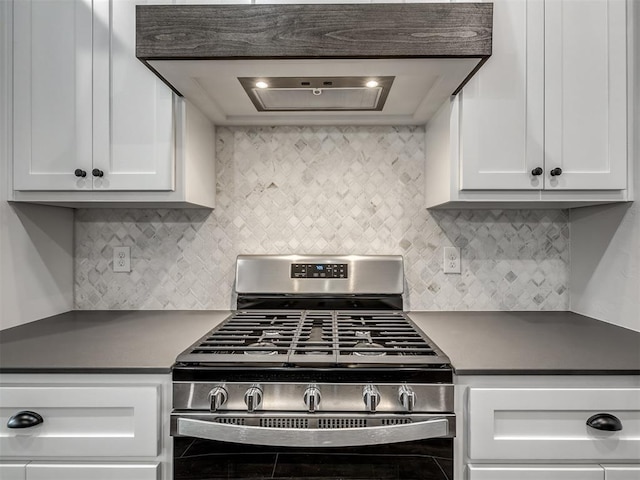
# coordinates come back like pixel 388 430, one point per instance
pixel 605 240
pixel 36 242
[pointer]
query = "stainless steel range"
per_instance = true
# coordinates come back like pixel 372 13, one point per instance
pixel 319 365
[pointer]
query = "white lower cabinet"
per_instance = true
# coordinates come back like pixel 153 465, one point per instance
pixel 551 423
pixel 535 472
pixel 622 472
pixel 548 428
pixel 116 471
pixel 71 471
pixel 554 472
pixel 88 421
pixel 13 470
pixel 85 427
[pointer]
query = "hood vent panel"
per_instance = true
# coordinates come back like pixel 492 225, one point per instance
pixel 428 50
pixel 317 94
pixel 316 100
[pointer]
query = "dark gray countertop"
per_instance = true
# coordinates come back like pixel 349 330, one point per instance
pixel 531 343
pixel 104 341
pixel 478 343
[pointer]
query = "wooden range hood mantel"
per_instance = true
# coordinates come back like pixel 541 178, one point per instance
pixel 431 49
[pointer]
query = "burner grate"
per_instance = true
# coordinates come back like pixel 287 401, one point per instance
pixel 252 333
pixel 316 337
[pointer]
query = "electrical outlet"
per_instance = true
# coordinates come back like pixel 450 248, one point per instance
pixel 121 259
pixel 451 260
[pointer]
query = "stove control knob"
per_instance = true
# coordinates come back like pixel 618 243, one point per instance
pixel 217 397
pixel 407 397
pixel 312 398
pixel 371 397
pixel 253 398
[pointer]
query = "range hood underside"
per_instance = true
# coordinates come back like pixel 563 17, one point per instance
pixel 201 52
pixel 419 88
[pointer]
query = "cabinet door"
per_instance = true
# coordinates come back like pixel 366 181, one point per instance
pixel 621 472
pixel 501 117
pixel 133 113
pixel 585 94
pixel 52 129
pixel 12 470
pixel 104 471
pixel 535 472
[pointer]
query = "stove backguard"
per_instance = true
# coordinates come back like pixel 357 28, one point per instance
pixel 324 275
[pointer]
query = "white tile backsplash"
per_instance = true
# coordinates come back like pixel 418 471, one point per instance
pixel 322 190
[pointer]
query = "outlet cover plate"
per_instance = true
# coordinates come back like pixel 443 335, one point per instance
pixel 451 260
pixel 121 259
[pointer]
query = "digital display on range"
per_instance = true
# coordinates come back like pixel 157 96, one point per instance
pixel 319 270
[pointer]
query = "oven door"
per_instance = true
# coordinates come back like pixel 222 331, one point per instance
pixel 317 446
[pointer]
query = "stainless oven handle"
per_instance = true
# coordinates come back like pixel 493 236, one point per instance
pixel 313 437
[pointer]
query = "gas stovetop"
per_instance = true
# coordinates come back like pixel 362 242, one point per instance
pixel 308 371
pixel 316 362
pixel 320 338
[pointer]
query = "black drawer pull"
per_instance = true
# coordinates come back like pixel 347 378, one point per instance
pixel 556 172
pixel 97 172
pixel 605 421
pixel 80 173
pixel 24 419
pixel 536 171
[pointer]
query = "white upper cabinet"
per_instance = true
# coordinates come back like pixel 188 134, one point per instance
pixel 133 109
pixel 585 94
pixel 87 114
pixel 544 121
pixel 92 125
pixel 502 116
pixel 52 73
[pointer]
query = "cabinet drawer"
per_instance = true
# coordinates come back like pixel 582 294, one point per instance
pixel 13 470
pixel 81 421
pixel 622 472
pixel 535 472
pixel 94 471
pixel 538 423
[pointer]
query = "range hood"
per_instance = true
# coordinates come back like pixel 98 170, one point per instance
pixel 315 64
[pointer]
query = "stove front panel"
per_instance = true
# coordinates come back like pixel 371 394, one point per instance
pixel 333 397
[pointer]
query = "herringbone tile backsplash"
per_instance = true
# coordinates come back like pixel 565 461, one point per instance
pixel 348 190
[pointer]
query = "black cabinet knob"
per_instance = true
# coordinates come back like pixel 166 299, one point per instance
pixel 80 173
pixel 536 171
pixel 556 172
pixel 605 421
pixel 97 172
pixel 24 419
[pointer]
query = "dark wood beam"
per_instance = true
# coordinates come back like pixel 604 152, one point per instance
pixel 415 30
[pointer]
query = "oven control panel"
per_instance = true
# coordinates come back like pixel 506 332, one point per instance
pixel 313 397
pixel 319 270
